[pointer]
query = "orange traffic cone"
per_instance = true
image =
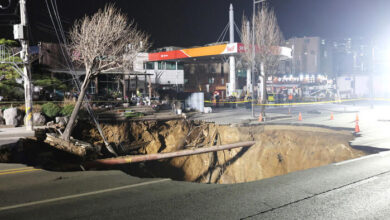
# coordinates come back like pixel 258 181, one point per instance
pixel 260 117
pixel 300 117
pixel 331 116
pixel 357 117
pixel 357 129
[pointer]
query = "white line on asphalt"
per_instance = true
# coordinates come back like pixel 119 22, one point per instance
pixel 356 159
pixel 384 153
pixel 80 195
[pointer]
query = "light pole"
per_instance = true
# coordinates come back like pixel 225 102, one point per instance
pixel 253 52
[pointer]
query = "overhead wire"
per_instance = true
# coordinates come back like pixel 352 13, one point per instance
pixel 77 79
pixel 71 68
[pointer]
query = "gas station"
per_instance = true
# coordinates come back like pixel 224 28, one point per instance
pixel 214 67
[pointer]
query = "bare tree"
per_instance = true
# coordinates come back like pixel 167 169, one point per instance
pixel 158 75
pixel 267 39
pixel 103 42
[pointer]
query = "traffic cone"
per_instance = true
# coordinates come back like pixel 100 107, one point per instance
pixel 300 117
pixel 357 117
pixel 331 116
pixel 260 117
pixel 357 129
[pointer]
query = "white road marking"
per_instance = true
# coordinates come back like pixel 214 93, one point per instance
pixel 80 195
pixel 356 159
pixel 384 153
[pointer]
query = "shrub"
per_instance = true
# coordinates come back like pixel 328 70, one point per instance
pixel 67 110
pixel 50 109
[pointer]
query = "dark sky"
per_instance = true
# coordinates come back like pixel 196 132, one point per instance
pixel 198 22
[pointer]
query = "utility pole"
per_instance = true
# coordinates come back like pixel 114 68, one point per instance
pixel 248 71
pixel 20 33
pixel 232 61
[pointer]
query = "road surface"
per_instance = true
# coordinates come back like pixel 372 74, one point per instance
pixel 354 189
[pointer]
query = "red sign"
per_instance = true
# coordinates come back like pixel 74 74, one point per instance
pixel 167 55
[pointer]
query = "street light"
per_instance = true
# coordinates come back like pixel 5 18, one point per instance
pixel 253 52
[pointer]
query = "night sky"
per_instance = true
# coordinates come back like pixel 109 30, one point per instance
pixel 198 22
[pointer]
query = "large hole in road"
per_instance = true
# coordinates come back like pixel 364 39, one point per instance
pixel 279 149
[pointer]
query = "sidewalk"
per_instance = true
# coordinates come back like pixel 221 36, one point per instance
pixel 15 132
pixel 227 116
pixel 374 123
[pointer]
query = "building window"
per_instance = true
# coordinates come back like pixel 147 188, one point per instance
pixel 150 65
pixel 161 65
pixel 170 65
pixel 92 88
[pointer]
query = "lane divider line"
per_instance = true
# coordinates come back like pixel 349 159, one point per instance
pixel 19 171
pixel 356 159
pixel 80 195
pixel 20 168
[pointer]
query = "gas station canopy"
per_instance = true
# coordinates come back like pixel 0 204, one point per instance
pixel 214 50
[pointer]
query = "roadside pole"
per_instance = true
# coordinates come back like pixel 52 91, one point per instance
pixel 26 65
pixel 232 60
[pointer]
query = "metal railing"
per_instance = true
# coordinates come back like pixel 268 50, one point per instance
pixel 10 55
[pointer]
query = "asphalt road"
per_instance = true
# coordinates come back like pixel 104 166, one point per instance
pixel 355 189
pixel 348 190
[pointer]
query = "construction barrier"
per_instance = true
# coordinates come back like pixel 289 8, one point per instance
pixel 293 103
pixel 222 102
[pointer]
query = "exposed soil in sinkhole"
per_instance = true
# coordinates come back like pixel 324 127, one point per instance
pixel 279 149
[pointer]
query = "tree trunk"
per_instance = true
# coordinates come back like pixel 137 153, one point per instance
pixel 124 84
pixel 72 119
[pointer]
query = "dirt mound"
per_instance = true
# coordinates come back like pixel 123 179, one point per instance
pixel 278 149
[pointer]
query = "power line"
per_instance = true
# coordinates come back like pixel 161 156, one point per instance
pixel 75 78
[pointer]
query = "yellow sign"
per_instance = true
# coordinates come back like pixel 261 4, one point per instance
pixel 220 88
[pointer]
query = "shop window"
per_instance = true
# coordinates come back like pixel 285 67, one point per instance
pixel 161 65
pixel 92 88
pixel 150 65
pixel 170 65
